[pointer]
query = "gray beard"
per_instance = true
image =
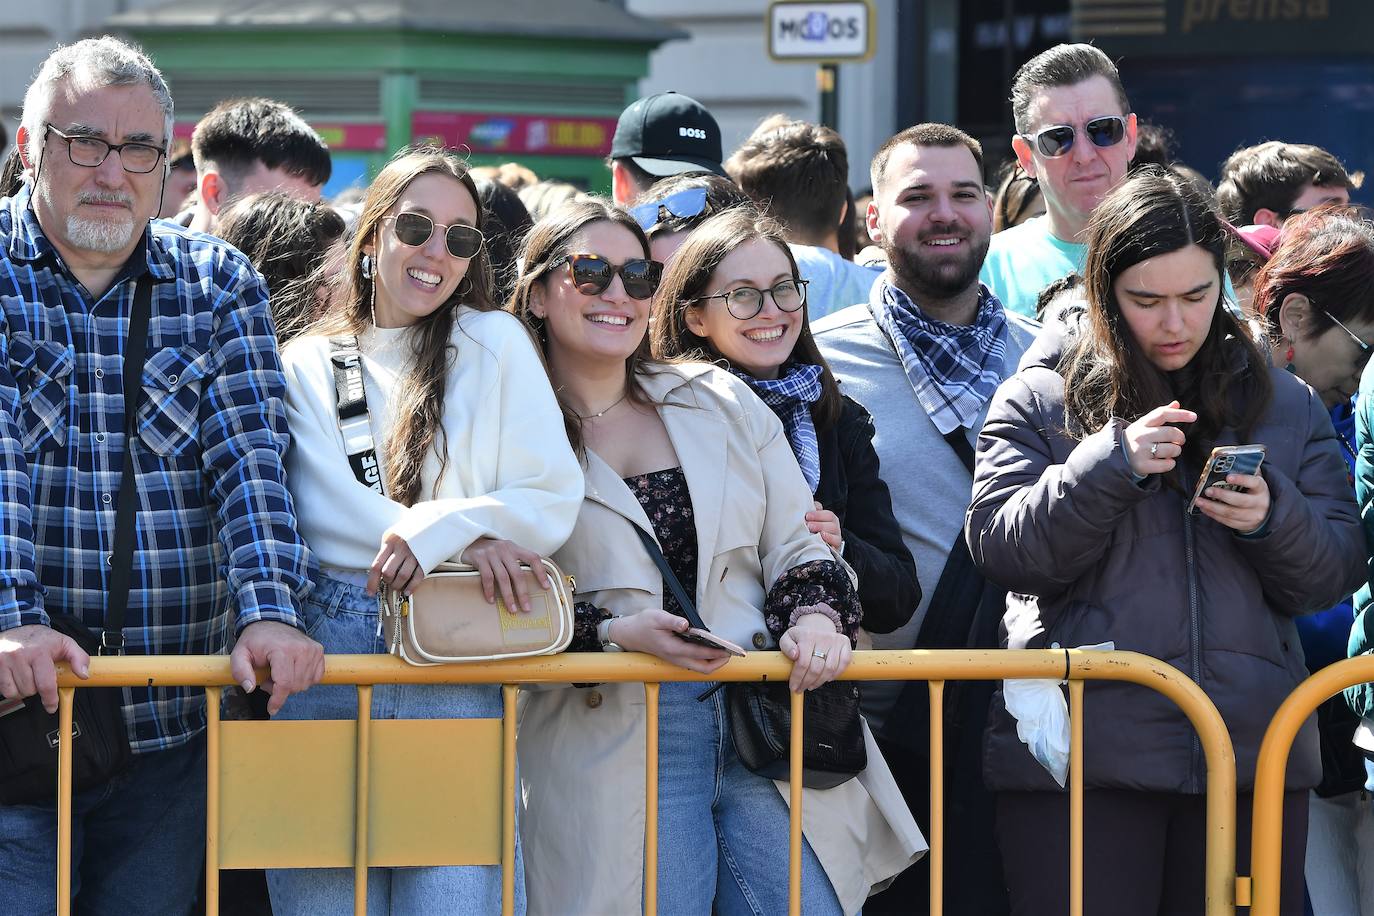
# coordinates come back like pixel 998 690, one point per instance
pixel 104 236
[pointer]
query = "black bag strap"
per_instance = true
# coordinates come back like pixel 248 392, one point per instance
pixel 959 442
pixel 126 507
pixel 347 362
pixel 670 577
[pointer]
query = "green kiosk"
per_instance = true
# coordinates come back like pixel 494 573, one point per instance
pixel 541 82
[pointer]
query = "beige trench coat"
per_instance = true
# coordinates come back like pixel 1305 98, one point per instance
pixel 582 754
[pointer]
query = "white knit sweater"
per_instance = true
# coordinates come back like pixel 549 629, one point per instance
pixel 510 473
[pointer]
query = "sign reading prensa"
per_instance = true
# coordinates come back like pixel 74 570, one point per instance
pixel 841 31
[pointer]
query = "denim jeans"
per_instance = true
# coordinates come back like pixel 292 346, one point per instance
pixel 722 830
pixel 344 620
pixel 1340 854
pixel 138 842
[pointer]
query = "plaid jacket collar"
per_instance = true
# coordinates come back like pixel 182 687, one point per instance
pixel 28 242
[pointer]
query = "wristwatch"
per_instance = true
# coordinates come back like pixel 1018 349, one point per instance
pixel 603 635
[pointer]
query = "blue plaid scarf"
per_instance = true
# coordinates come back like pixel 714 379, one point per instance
pixel 791 395
pixel 953 369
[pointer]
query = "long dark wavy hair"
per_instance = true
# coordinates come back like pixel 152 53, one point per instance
pixel 687 279
pixel 547 242
pixel 1107 374
pixel 418 412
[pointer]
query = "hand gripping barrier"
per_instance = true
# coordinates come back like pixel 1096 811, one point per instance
pixel 359 813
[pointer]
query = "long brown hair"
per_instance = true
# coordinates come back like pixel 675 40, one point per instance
pixel 547 242
pixel 1107 374
pixel 687 280
pixel 419 409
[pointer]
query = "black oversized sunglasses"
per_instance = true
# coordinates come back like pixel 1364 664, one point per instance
pixel 1056 140
pixel 414 229
pixel 591 274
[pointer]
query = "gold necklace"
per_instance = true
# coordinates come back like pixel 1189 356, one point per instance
pixel 597 416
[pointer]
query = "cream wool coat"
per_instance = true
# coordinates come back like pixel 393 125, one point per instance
pixel 581 750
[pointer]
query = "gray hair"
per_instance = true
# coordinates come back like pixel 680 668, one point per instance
pixel 91 64
pixel 1062 65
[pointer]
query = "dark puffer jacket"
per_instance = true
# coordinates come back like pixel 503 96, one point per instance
pixel 1113 560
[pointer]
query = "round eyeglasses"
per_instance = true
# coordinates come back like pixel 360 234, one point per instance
pixel 747 301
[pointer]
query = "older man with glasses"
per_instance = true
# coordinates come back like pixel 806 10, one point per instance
pixel 1075 134
pixel 142 430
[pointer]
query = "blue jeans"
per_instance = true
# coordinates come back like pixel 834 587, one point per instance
pixel 138 842
pixel 722 830
pixel 344 619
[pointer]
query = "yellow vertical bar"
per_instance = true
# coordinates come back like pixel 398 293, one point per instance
pixel 66 697
pixel 937 797
pixel 508 696
pixel 212 736
pixel 651 800
pixel 360 801
pixel 794 826
pixel 1075 798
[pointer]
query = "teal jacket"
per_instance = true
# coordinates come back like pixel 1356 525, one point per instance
pixel 1361 696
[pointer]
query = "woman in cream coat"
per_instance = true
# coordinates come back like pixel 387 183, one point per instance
pixel 694 444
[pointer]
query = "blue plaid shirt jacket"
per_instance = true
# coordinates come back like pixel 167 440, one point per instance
pixel 216 532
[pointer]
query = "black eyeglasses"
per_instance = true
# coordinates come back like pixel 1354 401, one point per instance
pixel 89 152
pixel 1364 347
pixel 683 204
pixel 747 301
pixel 414 229
pixel 1056 140
pixel 591 274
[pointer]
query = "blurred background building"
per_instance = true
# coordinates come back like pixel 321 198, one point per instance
pixel 542 81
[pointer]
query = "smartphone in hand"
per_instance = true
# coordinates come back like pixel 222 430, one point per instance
pixel 1227 459
pixel 710 640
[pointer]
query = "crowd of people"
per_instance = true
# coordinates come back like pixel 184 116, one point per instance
pixel 959 415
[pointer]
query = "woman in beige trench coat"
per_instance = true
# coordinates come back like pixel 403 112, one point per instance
pixel 689 454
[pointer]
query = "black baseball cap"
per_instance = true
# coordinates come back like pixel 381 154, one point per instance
pixel 667 134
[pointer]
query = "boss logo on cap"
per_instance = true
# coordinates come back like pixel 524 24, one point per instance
pixel 695 133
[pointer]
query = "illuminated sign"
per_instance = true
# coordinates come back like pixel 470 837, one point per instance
pixel 545 135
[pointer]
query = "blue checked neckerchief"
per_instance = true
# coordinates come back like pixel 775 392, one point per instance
pixel 791 396
pixel 954 369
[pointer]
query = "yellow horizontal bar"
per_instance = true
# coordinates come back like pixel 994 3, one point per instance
pixel 585 667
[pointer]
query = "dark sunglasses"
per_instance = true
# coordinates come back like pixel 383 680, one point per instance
pixel 591 274
pixel 682 204
pixel 414 229
pixel 1056 140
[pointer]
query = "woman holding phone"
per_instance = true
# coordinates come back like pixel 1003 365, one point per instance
pixel 1085 470
pixel 745 308
pixel 688 455
pixel 458 407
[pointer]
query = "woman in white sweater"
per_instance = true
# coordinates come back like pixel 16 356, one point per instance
pixel 466 468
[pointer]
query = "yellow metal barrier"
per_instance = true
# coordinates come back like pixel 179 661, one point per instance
pixel 1271 766
pixel 371 755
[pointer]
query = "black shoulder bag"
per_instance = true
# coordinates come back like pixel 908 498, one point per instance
pixel 760 714
pixel 100 738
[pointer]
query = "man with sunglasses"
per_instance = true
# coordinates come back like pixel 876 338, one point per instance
pixel 208 528
pixel 1076 135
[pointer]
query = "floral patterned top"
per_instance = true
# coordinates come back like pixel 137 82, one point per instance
pixel 668 505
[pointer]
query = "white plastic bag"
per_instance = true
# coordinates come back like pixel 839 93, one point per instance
pixel 1042 719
